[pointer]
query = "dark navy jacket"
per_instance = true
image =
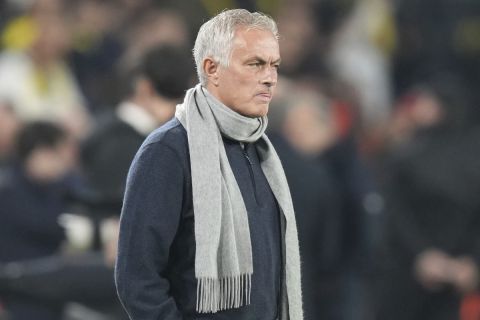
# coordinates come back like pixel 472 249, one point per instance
pixel 155 271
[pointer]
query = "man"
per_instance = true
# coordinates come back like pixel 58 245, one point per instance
pixel 31 198
pixel 156 85
pixel 207 228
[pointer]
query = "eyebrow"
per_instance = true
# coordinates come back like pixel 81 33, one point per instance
pixel 257 58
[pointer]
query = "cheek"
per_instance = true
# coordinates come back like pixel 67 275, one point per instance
pixel 238 88
pixel 246 87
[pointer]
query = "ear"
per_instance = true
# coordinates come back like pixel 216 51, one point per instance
pixel 210 67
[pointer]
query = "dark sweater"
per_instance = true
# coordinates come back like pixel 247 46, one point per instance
pixel 155 271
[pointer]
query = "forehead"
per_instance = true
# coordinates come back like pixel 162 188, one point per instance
pixel 255 42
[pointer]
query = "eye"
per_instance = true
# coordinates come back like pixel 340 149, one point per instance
pixel 255 64
pixel 276 66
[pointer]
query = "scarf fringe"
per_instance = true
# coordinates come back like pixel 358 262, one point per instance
pixel 214 295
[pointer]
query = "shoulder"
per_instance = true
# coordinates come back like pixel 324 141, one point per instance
pixel 171 135
pixel 164 149
pixel 162 157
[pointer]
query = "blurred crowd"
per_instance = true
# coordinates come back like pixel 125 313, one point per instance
pixel 375 120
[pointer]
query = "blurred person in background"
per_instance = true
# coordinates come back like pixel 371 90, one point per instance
pixel 31 196
pixel 431 254
pixel 37 279
pixel 304 131
pixel 155 86
pixel 34 76
pixel 330 185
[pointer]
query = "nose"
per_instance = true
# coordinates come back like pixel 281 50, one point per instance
pixel 270 76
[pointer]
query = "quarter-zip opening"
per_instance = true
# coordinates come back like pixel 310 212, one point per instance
pixel 250 169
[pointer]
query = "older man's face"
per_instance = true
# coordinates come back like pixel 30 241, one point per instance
pixel 248 83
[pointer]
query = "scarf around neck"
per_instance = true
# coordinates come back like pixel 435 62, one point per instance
pixel 223 256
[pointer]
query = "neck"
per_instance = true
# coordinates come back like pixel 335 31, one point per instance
pixel 212 89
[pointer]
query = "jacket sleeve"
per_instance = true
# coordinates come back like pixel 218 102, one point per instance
pixel 150 218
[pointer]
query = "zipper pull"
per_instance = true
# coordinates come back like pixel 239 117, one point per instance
pixel 248 158
pixel 244 149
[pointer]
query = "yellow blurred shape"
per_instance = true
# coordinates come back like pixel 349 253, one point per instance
pixel 19 34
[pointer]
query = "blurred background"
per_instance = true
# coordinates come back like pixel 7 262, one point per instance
pixel 376 120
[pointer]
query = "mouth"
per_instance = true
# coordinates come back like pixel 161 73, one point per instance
pixel 264 96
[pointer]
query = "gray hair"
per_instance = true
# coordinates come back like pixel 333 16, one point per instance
pixel 215 37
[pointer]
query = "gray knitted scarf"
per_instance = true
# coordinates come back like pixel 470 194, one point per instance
pixel 223 258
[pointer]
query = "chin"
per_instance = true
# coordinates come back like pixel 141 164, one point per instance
pixel 253 111
pixel 260 111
